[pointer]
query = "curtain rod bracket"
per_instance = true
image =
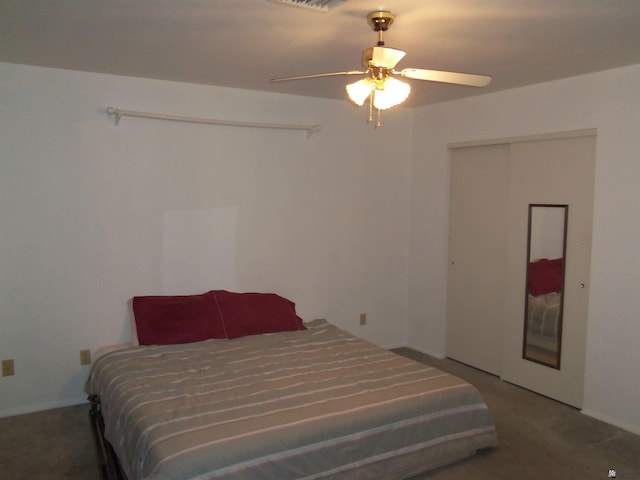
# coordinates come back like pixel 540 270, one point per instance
pixel 118 114
pixel 313 129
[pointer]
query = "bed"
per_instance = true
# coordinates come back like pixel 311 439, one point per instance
pixel 310 402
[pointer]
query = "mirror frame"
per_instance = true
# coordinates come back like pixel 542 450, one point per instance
pixel 556 364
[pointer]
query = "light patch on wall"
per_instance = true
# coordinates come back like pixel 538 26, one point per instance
pixel 198 250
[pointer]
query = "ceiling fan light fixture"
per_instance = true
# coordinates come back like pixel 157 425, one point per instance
pixel 360 90
pixel 393 92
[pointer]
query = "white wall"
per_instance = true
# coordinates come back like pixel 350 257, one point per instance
pixel 84 207
pixel 323 221
pixel 608 101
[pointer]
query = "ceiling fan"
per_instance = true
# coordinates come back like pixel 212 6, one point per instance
pixel 380 86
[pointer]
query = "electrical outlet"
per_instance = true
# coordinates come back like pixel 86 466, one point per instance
pixel 8 368
pixel 363 319
pixel 85 357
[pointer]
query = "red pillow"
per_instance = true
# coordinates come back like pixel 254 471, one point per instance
pixel 545 276
pixel 254 313
pixel 177 319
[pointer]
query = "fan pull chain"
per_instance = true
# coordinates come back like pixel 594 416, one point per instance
pixel 378 123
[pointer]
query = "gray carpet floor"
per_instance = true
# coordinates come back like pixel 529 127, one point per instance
pixel 538 439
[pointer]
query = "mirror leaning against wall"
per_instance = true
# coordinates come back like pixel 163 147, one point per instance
pixel 546 258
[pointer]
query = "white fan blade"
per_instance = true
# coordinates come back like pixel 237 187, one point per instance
pixel 386 57
pixel 469 79
pixel 317 75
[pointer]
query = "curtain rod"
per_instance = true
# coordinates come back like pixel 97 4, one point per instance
pixel 310 129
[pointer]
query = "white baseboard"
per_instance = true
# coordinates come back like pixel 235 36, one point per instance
pixel 12 412
pixel 635 429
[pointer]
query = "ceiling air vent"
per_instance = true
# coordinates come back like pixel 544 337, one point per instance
pixel 322 6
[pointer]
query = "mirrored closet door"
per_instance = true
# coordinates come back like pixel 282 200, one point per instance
pixel 529 333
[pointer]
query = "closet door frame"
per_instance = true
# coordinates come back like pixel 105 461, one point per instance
pixel 566 384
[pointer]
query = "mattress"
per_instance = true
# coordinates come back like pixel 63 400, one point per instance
pixel 312 404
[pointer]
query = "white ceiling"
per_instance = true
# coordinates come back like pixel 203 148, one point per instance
pixel 244 43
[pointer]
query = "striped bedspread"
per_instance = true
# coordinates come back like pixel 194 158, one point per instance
pixel 311 404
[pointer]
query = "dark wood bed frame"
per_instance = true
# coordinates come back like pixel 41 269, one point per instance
pixel 109 463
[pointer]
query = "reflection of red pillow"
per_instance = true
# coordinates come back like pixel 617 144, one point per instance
pixel 177 319
pixel 254 313
pixel 545 276
pixel 557 263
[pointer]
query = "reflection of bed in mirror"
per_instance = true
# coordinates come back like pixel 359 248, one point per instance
pixel 544 312
pixel 544 307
